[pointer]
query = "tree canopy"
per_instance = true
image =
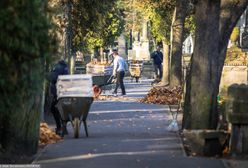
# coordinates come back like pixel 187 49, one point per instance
pixel 158 13
pixel 95 23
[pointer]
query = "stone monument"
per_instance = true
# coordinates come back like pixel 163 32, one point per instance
pixel 122 46
pixel 140 49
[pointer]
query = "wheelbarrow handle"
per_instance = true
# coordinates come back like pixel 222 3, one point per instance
pixel 109 81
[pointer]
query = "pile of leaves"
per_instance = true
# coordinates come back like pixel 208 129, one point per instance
pixel 163 95
pixel 47 136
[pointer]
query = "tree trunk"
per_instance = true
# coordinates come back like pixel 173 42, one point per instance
pixel 212 35
pixel 20 124
pixel 22 77
pixel 201 98
pixel 165 77
pixel 176 42
pixel 68 35
pixel 186 113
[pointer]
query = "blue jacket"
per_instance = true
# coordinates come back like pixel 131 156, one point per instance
pixel 157 57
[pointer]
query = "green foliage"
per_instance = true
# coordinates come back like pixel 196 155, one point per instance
pixel 24 46
pixel 133 14
pixel 159 13
pixel 161 18
pixel 22 38
pixel 235 35
pixel 107 31
pixel 189 26
pixel 96 23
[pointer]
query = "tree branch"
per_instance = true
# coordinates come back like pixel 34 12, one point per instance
pixel 230 13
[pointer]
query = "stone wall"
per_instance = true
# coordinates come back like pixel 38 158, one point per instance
pixel 232 75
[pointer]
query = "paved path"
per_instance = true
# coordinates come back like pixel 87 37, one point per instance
pixel 124 134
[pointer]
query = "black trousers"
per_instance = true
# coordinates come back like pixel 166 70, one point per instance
pixel 56 113
pixel 119 82
pixel 158 71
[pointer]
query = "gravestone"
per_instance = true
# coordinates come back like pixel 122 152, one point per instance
pixel 237 111
pixel 232 75
pixel 140 50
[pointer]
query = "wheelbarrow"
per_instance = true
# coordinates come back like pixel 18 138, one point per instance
pixel 75 96
pixel 97 87
pixel 135 70
pixel 74 110
pixel 101 76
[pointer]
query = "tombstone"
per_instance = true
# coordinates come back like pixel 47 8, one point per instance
pixel 237 112
pixel 144 51
pixel 232 75
pixel 144 31
pixel 140 50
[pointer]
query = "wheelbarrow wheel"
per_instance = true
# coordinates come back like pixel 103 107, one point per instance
pixel 76 126
pixel 97 91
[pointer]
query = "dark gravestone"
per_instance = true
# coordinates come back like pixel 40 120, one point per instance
pixel 237 109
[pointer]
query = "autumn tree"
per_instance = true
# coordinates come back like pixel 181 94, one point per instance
pixel 215 21
pixel 159 15
pixel 94 24
pixel 85 25
pixel 133 17
pixel 110 26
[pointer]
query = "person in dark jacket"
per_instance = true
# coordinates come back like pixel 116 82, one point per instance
pixel 60 68
pixel 157 57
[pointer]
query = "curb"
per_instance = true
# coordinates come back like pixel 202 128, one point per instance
pixel 181 144
pixel 225 163
pixel 38 154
